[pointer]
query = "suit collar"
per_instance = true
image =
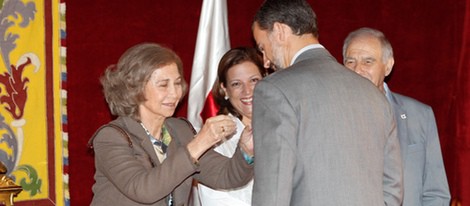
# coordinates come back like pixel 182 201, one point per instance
pixel 315 52
pixel 401 120
pixel 308 47
pixel 394 101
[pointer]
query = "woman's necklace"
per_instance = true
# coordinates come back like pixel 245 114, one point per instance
pixel 161 148
pixel 158 143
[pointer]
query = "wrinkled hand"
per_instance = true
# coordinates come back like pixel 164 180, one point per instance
pixel 214 130
pixel 218 128
pixel 246 140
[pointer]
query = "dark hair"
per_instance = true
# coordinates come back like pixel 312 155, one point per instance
pixel 231 58
pixel 124 83
pixel 297 14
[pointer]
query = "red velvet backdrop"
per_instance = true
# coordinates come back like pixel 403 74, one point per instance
pixel 430 39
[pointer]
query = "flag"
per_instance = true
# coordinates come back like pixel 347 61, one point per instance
pixel 211 44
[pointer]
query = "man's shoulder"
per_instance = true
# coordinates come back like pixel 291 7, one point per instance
pixel 409 103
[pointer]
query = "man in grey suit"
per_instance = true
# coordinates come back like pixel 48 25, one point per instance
pixel 323 135
pixel 368 52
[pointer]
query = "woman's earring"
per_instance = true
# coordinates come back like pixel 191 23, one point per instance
pixel 226 97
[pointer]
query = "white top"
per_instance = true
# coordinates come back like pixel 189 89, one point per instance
pixel 234 197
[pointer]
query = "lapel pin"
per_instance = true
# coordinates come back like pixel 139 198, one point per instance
pixel 403 116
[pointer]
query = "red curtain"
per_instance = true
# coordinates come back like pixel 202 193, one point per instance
pixel 461 142
pixel 430 40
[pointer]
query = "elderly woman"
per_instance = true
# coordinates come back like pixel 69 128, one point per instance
pixel 239 71
pixel 147 157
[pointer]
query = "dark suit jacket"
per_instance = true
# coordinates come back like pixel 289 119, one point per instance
pixel 424 173
pixel 324 135
pixel 134 176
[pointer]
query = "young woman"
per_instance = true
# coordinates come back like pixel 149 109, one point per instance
pixel 239 71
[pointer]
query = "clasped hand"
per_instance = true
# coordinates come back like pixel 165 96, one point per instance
pixel 214 130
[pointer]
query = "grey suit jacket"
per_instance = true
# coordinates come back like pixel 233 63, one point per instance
pixel 134 176
pixel 424 173
pixel 323 135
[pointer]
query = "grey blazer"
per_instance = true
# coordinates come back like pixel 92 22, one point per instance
pixel 323 135
pixel 130 176
pixel 424 173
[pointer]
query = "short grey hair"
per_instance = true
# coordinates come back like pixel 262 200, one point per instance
pixel 387 50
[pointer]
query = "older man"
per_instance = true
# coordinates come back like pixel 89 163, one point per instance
pixel 368 52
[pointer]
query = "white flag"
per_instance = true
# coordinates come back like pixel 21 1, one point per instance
pixel 211 44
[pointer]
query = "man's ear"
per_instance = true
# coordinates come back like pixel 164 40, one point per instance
pixel 389 65
pixel 281 31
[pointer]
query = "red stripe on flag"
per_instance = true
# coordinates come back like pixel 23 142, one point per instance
pixel 210 108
